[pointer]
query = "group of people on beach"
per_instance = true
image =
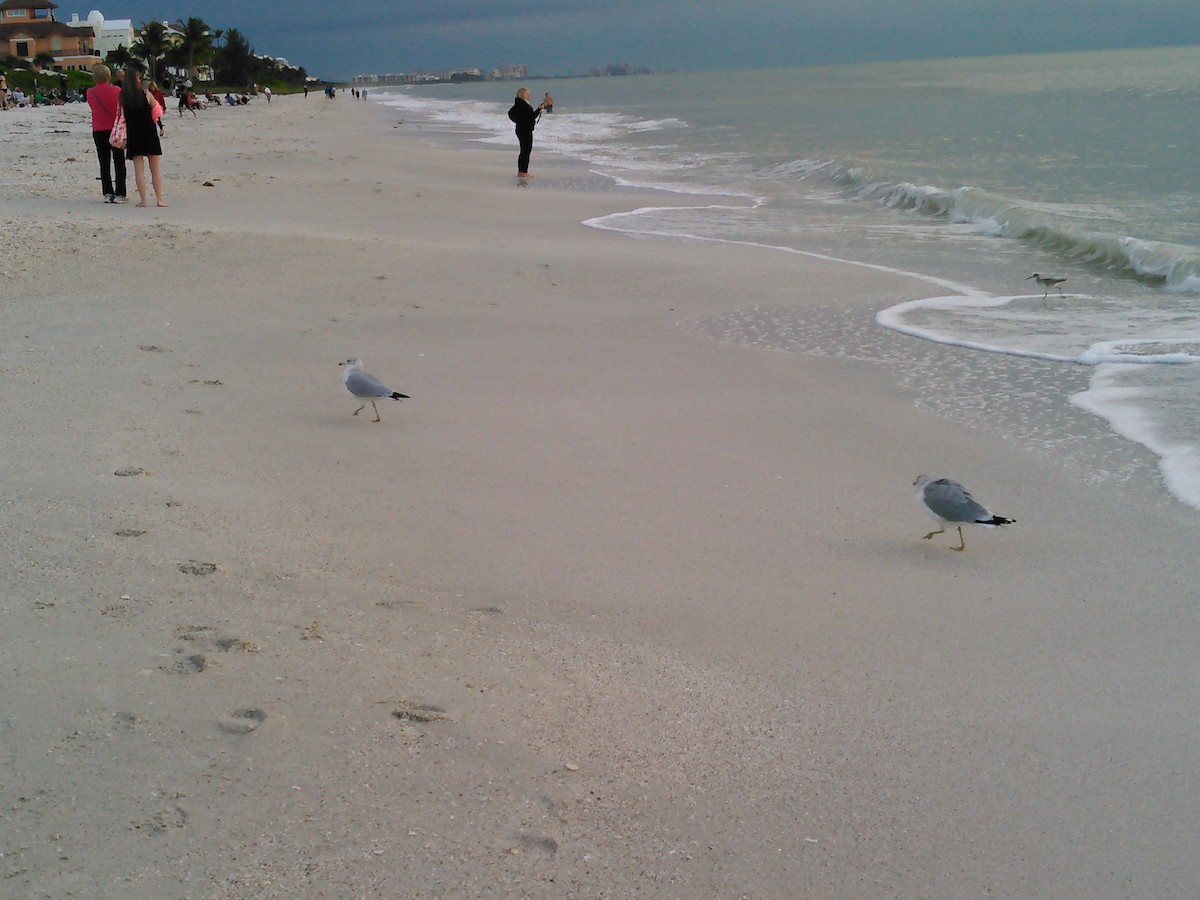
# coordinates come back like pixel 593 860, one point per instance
pixel 525 118
pixel 15 98
pixel 140 104
pixel 133 100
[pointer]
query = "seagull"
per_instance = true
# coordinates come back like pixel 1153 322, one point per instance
pixel 1047 282
pixel 950 502
pixel 366 388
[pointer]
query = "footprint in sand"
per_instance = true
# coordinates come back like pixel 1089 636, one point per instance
pixel 213 639
pixel 202 639
pixel 129 532
pixel 538 843
pixel 159 823
pixel 192 567
pixel 241 721
pixel 419 712
pixel 192 664
pixel 399 604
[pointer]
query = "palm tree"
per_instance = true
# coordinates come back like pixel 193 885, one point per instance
pixel 120 58
pixel 235 59
pixel 151 45
pixel 196 43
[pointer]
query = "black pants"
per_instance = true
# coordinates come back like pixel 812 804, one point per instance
pixel 526 139
pixel 107 155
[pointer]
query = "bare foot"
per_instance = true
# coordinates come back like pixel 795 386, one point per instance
pixel 162 203
pixel 142 204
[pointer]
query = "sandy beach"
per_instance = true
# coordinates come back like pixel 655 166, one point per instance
pixel 607 609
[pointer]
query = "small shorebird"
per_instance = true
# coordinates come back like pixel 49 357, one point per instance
pixel 1047 282
pixel 366 388
pixel 950 503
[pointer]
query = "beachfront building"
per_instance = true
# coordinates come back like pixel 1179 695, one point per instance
pixel 28 29
pixel 107 34
pixel 175 34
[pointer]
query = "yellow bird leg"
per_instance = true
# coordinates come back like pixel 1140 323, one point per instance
pixel 962 541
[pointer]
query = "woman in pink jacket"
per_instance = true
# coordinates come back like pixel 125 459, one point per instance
pixel 105 100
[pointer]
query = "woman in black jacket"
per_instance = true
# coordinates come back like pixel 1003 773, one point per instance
pixel 525 118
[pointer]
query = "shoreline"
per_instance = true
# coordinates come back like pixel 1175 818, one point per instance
pixel 1143 421
pixel 607 608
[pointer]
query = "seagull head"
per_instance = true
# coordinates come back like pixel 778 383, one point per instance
pixel 352 363
pixel 921 479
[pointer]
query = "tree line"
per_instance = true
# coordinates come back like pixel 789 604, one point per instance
pixel 228 51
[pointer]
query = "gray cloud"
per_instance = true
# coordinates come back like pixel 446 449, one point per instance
pixel 554 36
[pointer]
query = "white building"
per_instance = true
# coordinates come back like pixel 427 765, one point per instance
pixel 109 33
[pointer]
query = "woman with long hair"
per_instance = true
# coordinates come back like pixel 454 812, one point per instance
pixel 105 100
pixel 142 143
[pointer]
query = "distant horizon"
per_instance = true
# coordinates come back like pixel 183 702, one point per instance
pixel 536 76
pixel 554 36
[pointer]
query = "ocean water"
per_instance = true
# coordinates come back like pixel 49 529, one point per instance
pixel 970 173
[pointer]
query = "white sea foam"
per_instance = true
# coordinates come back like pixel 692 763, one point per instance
pixel 1132 413
pixel 856 177
pixel 1059 228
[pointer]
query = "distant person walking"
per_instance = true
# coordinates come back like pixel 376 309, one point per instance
pixel 524 117
pixel 142 144
pixel 104 98
pixel 548 103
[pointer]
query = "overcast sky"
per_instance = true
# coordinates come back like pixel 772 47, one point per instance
pixel 338 38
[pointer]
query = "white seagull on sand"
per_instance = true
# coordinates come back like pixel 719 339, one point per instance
pixel 950 503
pixel 366 388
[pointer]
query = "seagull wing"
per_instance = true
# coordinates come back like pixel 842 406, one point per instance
pixel 951 502
pixel 366 387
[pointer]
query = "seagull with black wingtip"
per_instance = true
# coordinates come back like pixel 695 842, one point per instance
pixel 366 388
pixel 952 504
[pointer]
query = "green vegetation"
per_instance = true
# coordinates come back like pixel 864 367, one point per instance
pixel 229 52
pixel 22 76
pixel 159 54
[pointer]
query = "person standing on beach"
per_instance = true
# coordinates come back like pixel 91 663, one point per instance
pixel 142 143
pixel 525 117
pixel 104 98
pixel 548 103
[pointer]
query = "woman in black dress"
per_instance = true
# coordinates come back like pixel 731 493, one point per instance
pixel 142 142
